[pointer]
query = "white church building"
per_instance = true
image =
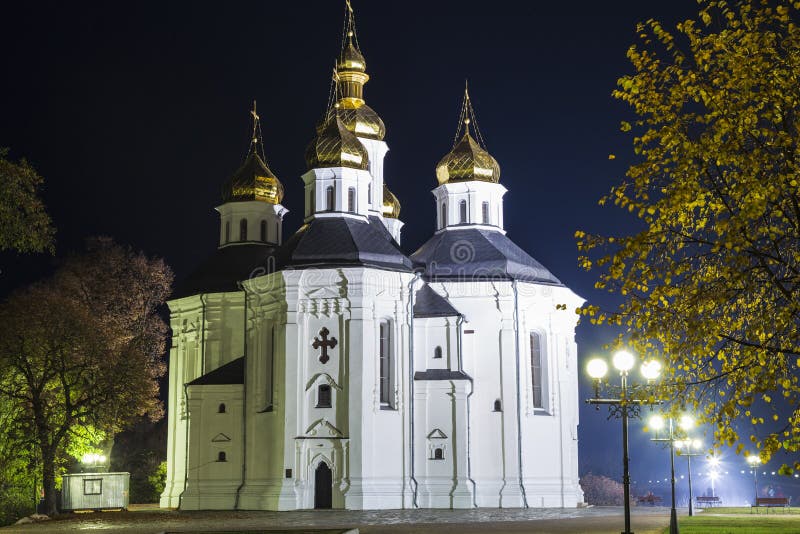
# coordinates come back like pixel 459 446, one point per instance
pixel 334 370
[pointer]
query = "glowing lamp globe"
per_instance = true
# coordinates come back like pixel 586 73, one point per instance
pixel 624 360
pixel 753 459
pixel 597 368
pixel 697 444
pixel 651 369
pixel 686 422
pixel 656 422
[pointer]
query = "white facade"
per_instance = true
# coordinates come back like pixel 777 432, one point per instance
pixel 355 379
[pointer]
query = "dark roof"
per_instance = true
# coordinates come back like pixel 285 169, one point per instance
pixel 476 254
pixel 440 374
pixel 227 266
pixel 342 241
pixel 429 303
pixel 230 373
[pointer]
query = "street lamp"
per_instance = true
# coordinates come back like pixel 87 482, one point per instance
pixel 689 445
pixel 93 460
pixel 754 460
pixel 658 423
pixel 714 474
pixel 622 406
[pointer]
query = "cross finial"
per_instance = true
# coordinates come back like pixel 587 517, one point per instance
pixel 255 138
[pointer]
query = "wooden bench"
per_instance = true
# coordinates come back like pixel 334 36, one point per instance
pixel 770 502
pixel 703 502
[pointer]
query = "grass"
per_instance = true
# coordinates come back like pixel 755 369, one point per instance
pixel 741 521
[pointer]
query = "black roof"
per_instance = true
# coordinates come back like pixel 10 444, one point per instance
pixel 477 254
pixel 440 374
pixel 342 241
pixel 429 303
pixel 226 266
pixel 230 373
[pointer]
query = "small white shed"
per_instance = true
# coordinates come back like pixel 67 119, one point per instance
pixel 95 491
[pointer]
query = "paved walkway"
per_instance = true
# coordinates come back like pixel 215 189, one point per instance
pixel 648 520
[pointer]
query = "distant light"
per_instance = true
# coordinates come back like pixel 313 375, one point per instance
pixel 773 473
pixel 714 461
pixel 742 472
pixel 624 360
pixel 681 477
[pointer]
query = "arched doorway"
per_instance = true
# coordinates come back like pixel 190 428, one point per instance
pixel 323 486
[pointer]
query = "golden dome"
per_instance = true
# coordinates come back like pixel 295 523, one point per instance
pixel 361 120
pixel 467 161
pixel 351 58
pixel 253 181
pixel 336 146
pixel 391 206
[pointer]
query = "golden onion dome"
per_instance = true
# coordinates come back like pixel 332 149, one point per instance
pixel 391 206
pixel 351 58
pixel 361 120
pixel 253 181
pixel 336 146
pixel 467 161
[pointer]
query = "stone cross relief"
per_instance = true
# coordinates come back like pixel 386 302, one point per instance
pixel 325 344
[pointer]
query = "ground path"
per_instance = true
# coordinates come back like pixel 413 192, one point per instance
pixel 607 520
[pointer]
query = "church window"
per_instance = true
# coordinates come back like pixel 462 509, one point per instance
pixel 498 406
pixel 227 231
pixel 438 453
pixel 462 211
pixel 369 194
pixel 437 352
pixel 330 198
pixel 537 372
pixel 351 199
pixel 444 215
pixel 243 230
pixel 221 457
pixel 385 365
pixel 324 396
pixel 221 408
pixel 264 231
pixel 485 209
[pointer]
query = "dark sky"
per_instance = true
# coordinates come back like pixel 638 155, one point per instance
pixel 136 112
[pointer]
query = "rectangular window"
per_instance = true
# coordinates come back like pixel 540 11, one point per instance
pixel 485 209
pixel 324 396
pixel 462 212
pixel 92 486
pixel 385 364
pixel 330 198
pixel 536 370
pixel 351 199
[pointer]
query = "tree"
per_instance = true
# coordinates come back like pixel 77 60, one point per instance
pixel 711 281
pixel 83 350
pixel 24 223
pixel 602 491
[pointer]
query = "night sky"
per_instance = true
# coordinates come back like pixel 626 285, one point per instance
pixel 136 113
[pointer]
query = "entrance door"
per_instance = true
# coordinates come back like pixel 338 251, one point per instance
pixel 323 486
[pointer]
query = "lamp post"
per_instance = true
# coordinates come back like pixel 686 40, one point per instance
pixel 754 460
pixel 714 474
pixel 622 406
pixel 689 445
pixel 657 423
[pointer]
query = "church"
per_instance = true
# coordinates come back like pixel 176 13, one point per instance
pixel 332 369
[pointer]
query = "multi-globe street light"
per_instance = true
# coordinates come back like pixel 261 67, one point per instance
pixel 754 460
pixel 625 404
pixel 658 423
pixel 685 448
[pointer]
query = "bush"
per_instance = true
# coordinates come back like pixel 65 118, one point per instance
pixel 602 491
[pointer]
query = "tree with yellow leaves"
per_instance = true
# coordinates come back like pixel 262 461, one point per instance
pixel 711 282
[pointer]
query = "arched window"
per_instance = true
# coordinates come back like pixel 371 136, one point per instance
pixel 537 371
pixel 438 453
pixel 264 231
pixel 444 215
pixel 221 457
pixel 385 365
pixel 351 199
pixel 330 198
pixel 498 406
pixel 437 352
pixel 462 211
pixel 227 231
pixel 324 396
pixel 243 230
pixel 221 408
pixel 485 210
